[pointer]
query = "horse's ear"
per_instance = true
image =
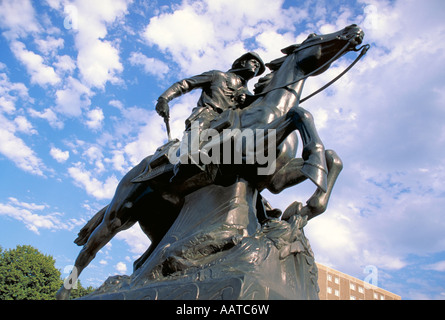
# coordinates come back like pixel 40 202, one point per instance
pixel 290 49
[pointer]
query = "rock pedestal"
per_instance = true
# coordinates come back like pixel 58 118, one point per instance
pixel 216 249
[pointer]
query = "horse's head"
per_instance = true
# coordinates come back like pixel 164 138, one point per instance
pixel 312 57
pixel 319 51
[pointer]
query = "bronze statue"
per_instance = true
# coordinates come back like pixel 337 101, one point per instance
pixel 220 92
pixel 212 230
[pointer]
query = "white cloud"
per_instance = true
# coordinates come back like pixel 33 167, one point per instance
pixel 211 34
pixel 49 115
pixel 15 149
pixel 29 214
pixel 149 138
pixel 7 105
pixel 55 4
pixel 12 124
pixel 98 60
pixel 93 153
pixel 117 104
pixel 135 238
pixel 23 125
pixel 72 98
pixel 10 92
pixel 59 155
pixel 18 17
pixel 50 45
pixel 121 267
pixel 438 266
pixel 95 118
pixel 118 161
pixel 150 65
pixel 40 73
pixel 94 187
pixel 64 64
pixel 174 30
pixel 27 205
pixel 94 156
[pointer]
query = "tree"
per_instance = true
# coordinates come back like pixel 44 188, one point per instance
pixel 80 291
pixel 27 274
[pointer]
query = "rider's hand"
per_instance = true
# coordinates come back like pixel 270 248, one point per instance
pixel 162 108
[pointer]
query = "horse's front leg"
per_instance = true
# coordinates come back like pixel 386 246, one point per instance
pixel 299 119
pixel 314 167
pixel 318 202
pixel 287 176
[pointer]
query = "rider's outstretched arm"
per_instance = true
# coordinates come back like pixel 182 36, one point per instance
pixel 182 87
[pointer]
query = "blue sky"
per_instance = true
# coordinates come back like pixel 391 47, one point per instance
pixel 78 84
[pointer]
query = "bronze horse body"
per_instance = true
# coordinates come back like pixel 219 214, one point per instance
pixel 156 204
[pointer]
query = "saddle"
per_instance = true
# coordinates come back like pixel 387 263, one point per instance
pixel 158 164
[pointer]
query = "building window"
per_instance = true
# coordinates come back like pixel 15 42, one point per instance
pixel 352 298
pixel 352 286
pixel 337 280
pixel 329 277
pixel 360 289
pixel 376 296
pixel 329 290
pixel 382 297
pixel 337 293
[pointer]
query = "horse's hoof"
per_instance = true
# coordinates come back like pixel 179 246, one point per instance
pixel 293 209
pixel 63 294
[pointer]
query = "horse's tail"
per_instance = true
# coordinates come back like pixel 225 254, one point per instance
pixel 87 230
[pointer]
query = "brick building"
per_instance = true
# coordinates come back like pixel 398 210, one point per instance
pixel 335 285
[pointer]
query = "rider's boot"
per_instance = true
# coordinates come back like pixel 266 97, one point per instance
pixel 314 166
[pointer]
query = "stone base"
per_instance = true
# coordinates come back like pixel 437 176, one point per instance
pixel 216 249
pixel 241 287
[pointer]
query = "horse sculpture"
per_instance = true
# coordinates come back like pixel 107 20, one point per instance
pixel 156 202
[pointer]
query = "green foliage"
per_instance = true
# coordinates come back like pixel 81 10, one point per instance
pixel 80 291
pixel 27 274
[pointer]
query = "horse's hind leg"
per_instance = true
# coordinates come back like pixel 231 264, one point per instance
pixel 318 202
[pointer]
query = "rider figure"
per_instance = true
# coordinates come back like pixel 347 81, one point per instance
pixel 220 91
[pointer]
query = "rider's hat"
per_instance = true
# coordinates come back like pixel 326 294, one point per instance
pixel 247 56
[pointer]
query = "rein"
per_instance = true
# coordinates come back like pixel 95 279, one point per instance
pixel 363 50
